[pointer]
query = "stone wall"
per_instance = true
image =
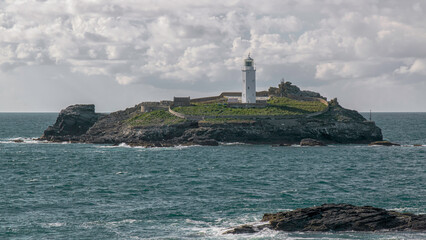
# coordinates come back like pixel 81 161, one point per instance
pixel 152 106
pixel 205 99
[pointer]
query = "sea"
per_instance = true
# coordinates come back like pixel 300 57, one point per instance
pixel 91 191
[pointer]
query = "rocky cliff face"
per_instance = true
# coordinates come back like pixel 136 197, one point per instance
pixel 337 217
pixel 337 125
pixel 71 123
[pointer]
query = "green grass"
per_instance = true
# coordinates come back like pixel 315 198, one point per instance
pixel 277 106
pixel 158 117
pixel 309 106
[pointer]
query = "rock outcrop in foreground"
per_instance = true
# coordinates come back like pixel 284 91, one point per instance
pixel 79 123
pixel 337 217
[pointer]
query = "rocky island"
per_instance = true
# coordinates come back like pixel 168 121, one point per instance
pixel 283 115
pixel 336 217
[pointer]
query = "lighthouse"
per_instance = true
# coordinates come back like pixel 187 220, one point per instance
pixel 249 81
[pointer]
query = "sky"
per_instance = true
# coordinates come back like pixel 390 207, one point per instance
pixel 370 54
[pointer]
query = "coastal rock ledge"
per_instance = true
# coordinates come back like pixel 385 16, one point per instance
pixel 336 217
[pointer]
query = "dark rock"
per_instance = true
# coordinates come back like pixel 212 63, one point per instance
pixel 339 217
pixel 383 143
pixel 281 145
pixel 247 229
pixel 418 145
pixel 18 141
pixel 206 142
pixel 72 122
pixel 311 142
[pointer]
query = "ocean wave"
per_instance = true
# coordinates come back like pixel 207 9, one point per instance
pixel 144 148
pixel 50 225
pixel 27 140
pixel 111 224
pixel 232 143
pixel 121 145
pixel 22 140
pixel 413 145
pixel 122 222
pixel 407 209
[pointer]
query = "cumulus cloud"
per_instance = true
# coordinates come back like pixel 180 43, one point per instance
pixel 417 67
pixel 182 44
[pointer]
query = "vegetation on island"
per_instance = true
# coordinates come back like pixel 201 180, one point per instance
pixel 309 106
pixel 157 117
pixel 276 106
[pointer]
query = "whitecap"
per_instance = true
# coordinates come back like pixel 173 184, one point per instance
pixel 194 221
pixel 28 140
pixel 121 145
pixel 407 209
pixel 125 221
pixel 124 145
pixel 55 224
pixel 232 143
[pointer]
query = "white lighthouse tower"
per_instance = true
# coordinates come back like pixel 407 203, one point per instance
pixel 249 81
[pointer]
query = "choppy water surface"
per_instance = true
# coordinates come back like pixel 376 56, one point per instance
pixel 84 191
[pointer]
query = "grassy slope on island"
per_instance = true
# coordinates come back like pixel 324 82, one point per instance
pixel 278 106
pixel 158 117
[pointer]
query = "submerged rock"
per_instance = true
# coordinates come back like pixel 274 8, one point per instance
pixel 311 142
pixel 337 217
pixel 383 143
pixel 247 229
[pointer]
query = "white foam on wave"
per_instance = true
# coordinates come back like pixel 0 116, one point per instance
pixel 121 145
pixel 232 143
pixel 124 145
pixel 55 224
pixel 108 224
pixel 408 209
pixel 26 140
pixel 122 222
pixel 22 140
pixel 414 145
pixel 143 148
